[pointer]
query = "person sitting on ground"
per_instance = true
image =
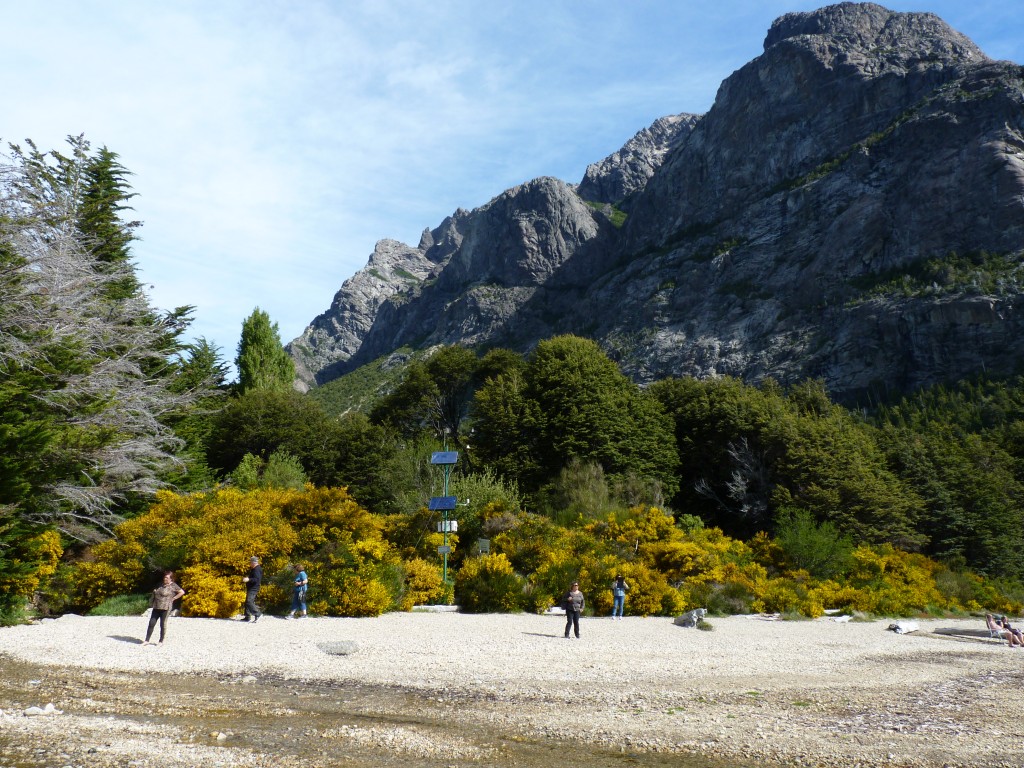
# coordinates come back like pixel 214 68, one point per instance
pixel 1013 635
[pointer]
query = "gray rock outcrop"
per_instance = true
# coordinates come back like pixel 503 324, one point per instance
pixel 628 170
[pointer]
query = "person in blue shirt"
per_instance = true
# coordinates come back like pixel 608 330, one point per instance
pixel 299 587
pixel 619 590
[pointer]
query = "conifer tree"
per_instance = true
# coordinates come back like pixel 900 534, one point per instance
pixel 262 362
pixel 85 364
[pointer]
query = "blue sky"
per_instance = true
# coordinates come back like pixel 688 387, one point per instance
pixel 272 144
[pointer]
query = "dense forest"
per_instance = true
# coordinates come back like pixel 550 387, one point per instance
pixel 124 451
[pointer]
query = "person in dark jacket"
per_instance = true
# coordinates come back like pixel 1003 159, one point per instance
pixel 252 588
pixel 573 602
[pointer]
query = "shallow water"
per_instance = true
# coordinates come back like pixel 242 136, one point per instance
pixel 312 724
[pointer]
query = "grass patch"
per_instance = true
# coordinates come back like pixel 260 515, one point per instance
pixel 615 215
pixel 978 271
pixel 358 390
pixel 15 612
pixel 122 605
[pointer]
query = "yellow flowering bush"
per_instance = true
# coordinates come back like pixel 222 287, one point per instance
pixel 209 537
pixel 422 583
pixel 354 596
pixel 642 525
pixel 208 593
pixel 895 583
pixel 487 583
pixel 117 569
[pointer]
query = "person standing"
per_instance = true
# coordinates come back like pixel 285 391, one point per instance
pixel 252 588
pixel 619 590
pixel 299 587
pixel 161 602
pixel 573 602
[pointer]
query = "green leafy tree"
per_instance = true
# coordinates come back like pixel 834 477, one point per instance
pixel 262 362
pixel 281 470
pixel 364 459
pixel 506 423
pixel 573 402
pixel 724 464
pixel 433 396
pixel 262 421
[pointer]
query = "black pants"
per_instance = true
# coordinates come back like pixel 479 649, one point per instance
pixel 250 604
pixel 572 621
pixel 154 615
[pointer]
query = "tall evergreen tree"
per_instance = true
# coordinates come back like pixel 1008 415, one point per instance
pixel 262 362
pixel 84 364
pixel 107 235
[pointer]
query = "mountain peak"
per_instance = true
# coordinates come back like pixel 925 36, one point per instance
pixel 871 29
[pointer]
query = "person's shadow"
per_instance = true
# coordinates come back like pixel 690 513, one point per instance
pixel 540 634
pixel 126 639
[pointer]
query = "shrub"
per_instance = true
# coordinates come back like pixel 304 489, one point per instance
pixel 208 593
pixel 354 596
pixel 28 558
pixel 209 537
pixel 122 605
pixel 487 583
pixel 422 584
pixel 818 548
pixel 720 599
pixel 649 593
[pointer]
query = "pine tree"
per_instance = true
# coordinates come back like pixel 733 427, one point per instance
pixel 262 362
pixel 96 358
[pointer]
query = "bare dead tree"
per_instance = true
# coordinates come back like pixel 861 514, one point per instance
pixel 748 486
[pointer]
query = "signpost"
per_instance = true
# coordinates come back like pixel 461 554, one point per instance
pixel 445 504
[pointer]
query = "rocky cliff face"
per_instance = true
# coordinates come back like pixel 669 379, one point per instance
pixel 627 171
pixel 805 226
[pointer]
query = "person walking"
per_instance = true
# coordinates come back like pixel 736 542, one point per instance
pixel 573 602
pixel 619 590
pixel 252 588
pixel 161 602
pixel 299 587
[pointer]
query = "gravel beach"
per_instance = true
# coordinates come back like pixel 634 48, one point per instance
pixel 442 688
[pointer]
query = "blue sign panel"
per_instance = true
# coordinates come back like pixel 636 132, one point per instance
pixel 442 503
pixel 444 457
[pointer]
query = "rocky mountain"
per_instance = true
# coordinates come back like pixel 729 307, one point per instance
pixel 850 208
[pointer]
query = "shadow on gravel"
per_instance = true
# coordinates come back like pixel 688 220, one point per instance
pixel 967 635
pixel 126 639
pixel 541 634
